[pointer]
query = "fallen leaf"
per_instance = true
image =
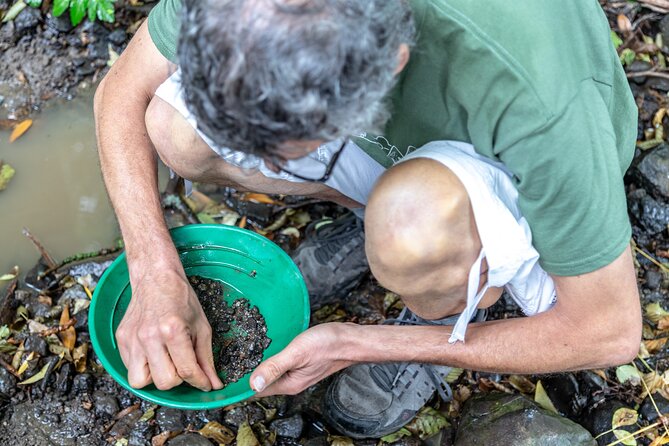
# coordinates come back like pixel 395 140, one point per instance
pixel 655 345
pixel 624 24
pixel 453 375
pixel 521 383
pixel 542 399
pixel 161 438
pixel 338 440
pixel 7 172
pixel 214 430
pixel 259 198
pixel 242 222
pixel 37 376
pixel 14 11
pixel 427 423
pixel 25 364
pixel 69 335
pixel 79 356
pixel 629 373
pixel 655 312
pixel 113 55
pixel 121 442
pixel 20 129
pixel 291 232
pixel 659 441
pixel 81 304
pixel 245 436
pixel 624 437
pixel 5 332
pixel 149 414
pixel 624 417
pixel 10 275
pixel 36 327
pixel 663 323
pixel 392 438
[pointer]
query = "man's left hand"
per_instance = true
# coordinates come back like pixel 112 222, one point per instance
pixel 309 358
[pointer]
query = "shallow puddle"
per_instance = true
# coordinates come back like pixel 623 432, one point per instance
pixel 57 191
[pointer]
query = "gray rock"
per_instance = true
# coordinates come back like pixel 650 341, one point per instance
pixel 170 419
pixel 288 427
pixel 564 392
pixel 652 215
pixel 647 409
pixel 27 20
pixel 189 440
pixel 598 421
pixel 82 383
pixel 36 343
pixel 118 36
pixel 654 169
pixel 501 419
pixel 64 378
pixel 245 412
pixel 653 279
pixel 664 29
pixel 7 383
pixel 105 404
pixel 61 24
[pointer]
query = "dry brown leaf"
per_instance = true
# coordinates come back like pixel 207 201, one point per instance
pixel 20 129
pixel 259 198
pixel 79 356
pixel 655 345
pixel 521 383
pixel 663 323
pixel 245 436
pixel 217 432
pixel 542 398
pixel 161 438
pixel 68 336
pixel 624 24
pixel 242 222
pixel 659 441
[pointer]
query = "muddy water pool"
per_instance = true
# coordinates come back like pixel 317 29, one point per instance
pixel 57 191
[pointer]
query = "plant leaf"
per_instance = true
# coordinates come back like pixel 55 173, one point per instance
pixel 68 336
pixel 79 356
pixel 624 417
pixel 542 398
pixel 6 174
pixel 105 10
pixel 214 430
pixel 629 373
pixel 149 414
pixel 4 332
pixel 59 7
pixel 92 10
pixel 427 423
pixel 338 440
pixel 245 435
pixel 392 438
pixel 78 11
pixel 20 129
pixel 34 3
pixel 625 437
pixel 617 41
pixel 521 383
pixel 14 11
pixel 37 376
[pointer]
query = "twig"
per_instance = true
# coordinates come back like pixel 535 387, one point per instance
pixel 58 329
pixel 42 250
pixel 648 74
pixel 9 368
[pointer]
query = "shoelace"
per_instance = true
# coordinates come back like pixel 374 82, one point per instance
pixel 389 374
pixel 334 235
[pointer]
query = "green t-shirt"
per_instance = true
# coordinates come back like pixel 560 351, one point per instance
pixel 536 85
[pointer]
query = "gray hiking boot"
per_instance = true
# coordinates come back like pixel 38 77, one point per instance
pixel 373 400
pixel 332 258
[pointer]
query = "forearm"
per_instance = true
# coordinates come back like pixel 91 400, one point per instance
pixel 128 163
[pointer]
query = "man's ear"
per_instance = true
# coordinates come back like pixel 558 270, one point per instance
pixel 402 58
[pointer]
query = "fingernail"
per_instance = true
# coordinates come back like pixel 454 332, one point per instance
pixel 259 383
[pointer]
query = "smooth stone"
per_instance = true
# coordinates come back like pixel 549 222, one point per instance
pixel 598 421
pixel 647 409
pixel 247 412
pixel 653 279
pixel 501 419
pixel 565 394
pixel 117 37
pixel 288 427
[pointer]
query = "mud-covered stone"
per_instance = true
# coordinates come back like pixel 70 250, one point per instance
pixel 105 404
pixel 64 378
pixel 288 427
pixel 27 19
pixel 654 169
pixel 189 440
pixel 651 215
pixel 82 383
pixel 36 343
pixel 244 412
pixel 118 36
pixel 169 419
pixel 7 383
pixel 653 279
pixel 502 419
pixel 60 24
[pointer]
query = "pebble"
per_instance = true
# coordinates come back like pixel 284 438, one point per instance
pixel 248 412
pixel 647 409
pixel 169 419
pixel 105 404
pixel 36 343
pixel 62 24
pixel 27 20
pixel 117 37
pixel 288 427
pixel 64 378
pixel 652 215
pixel 7 383
pixel 598 421
pixel 654 169
pixel 82 383
pixel 564 392
pixel 653 279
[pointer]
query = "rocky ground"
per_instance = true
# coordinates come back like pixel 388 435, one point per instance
pixel 53 390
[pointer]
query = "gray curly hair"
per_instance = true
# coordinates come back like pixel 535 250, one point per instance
pixel 257 73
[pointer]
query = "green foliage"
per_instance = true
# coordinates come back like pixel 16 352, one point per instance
pixel 79 9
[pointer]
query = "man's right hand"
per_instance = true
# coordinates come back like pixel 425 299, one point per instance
pixel 164 337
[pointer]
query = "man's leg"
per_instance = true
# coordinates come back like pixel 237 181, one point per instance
pixel 421 242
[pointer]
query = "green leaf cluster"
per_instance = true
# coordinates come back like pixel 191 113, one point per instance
pixel 95 9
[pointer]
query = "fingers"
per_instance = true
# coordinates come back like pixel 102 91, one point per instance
pixel 205 357
pixel 187 367
pixel 163 372
pixel 269 378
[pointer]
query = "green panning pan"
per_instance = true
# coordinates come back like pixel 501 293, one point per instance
pixel 249 266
